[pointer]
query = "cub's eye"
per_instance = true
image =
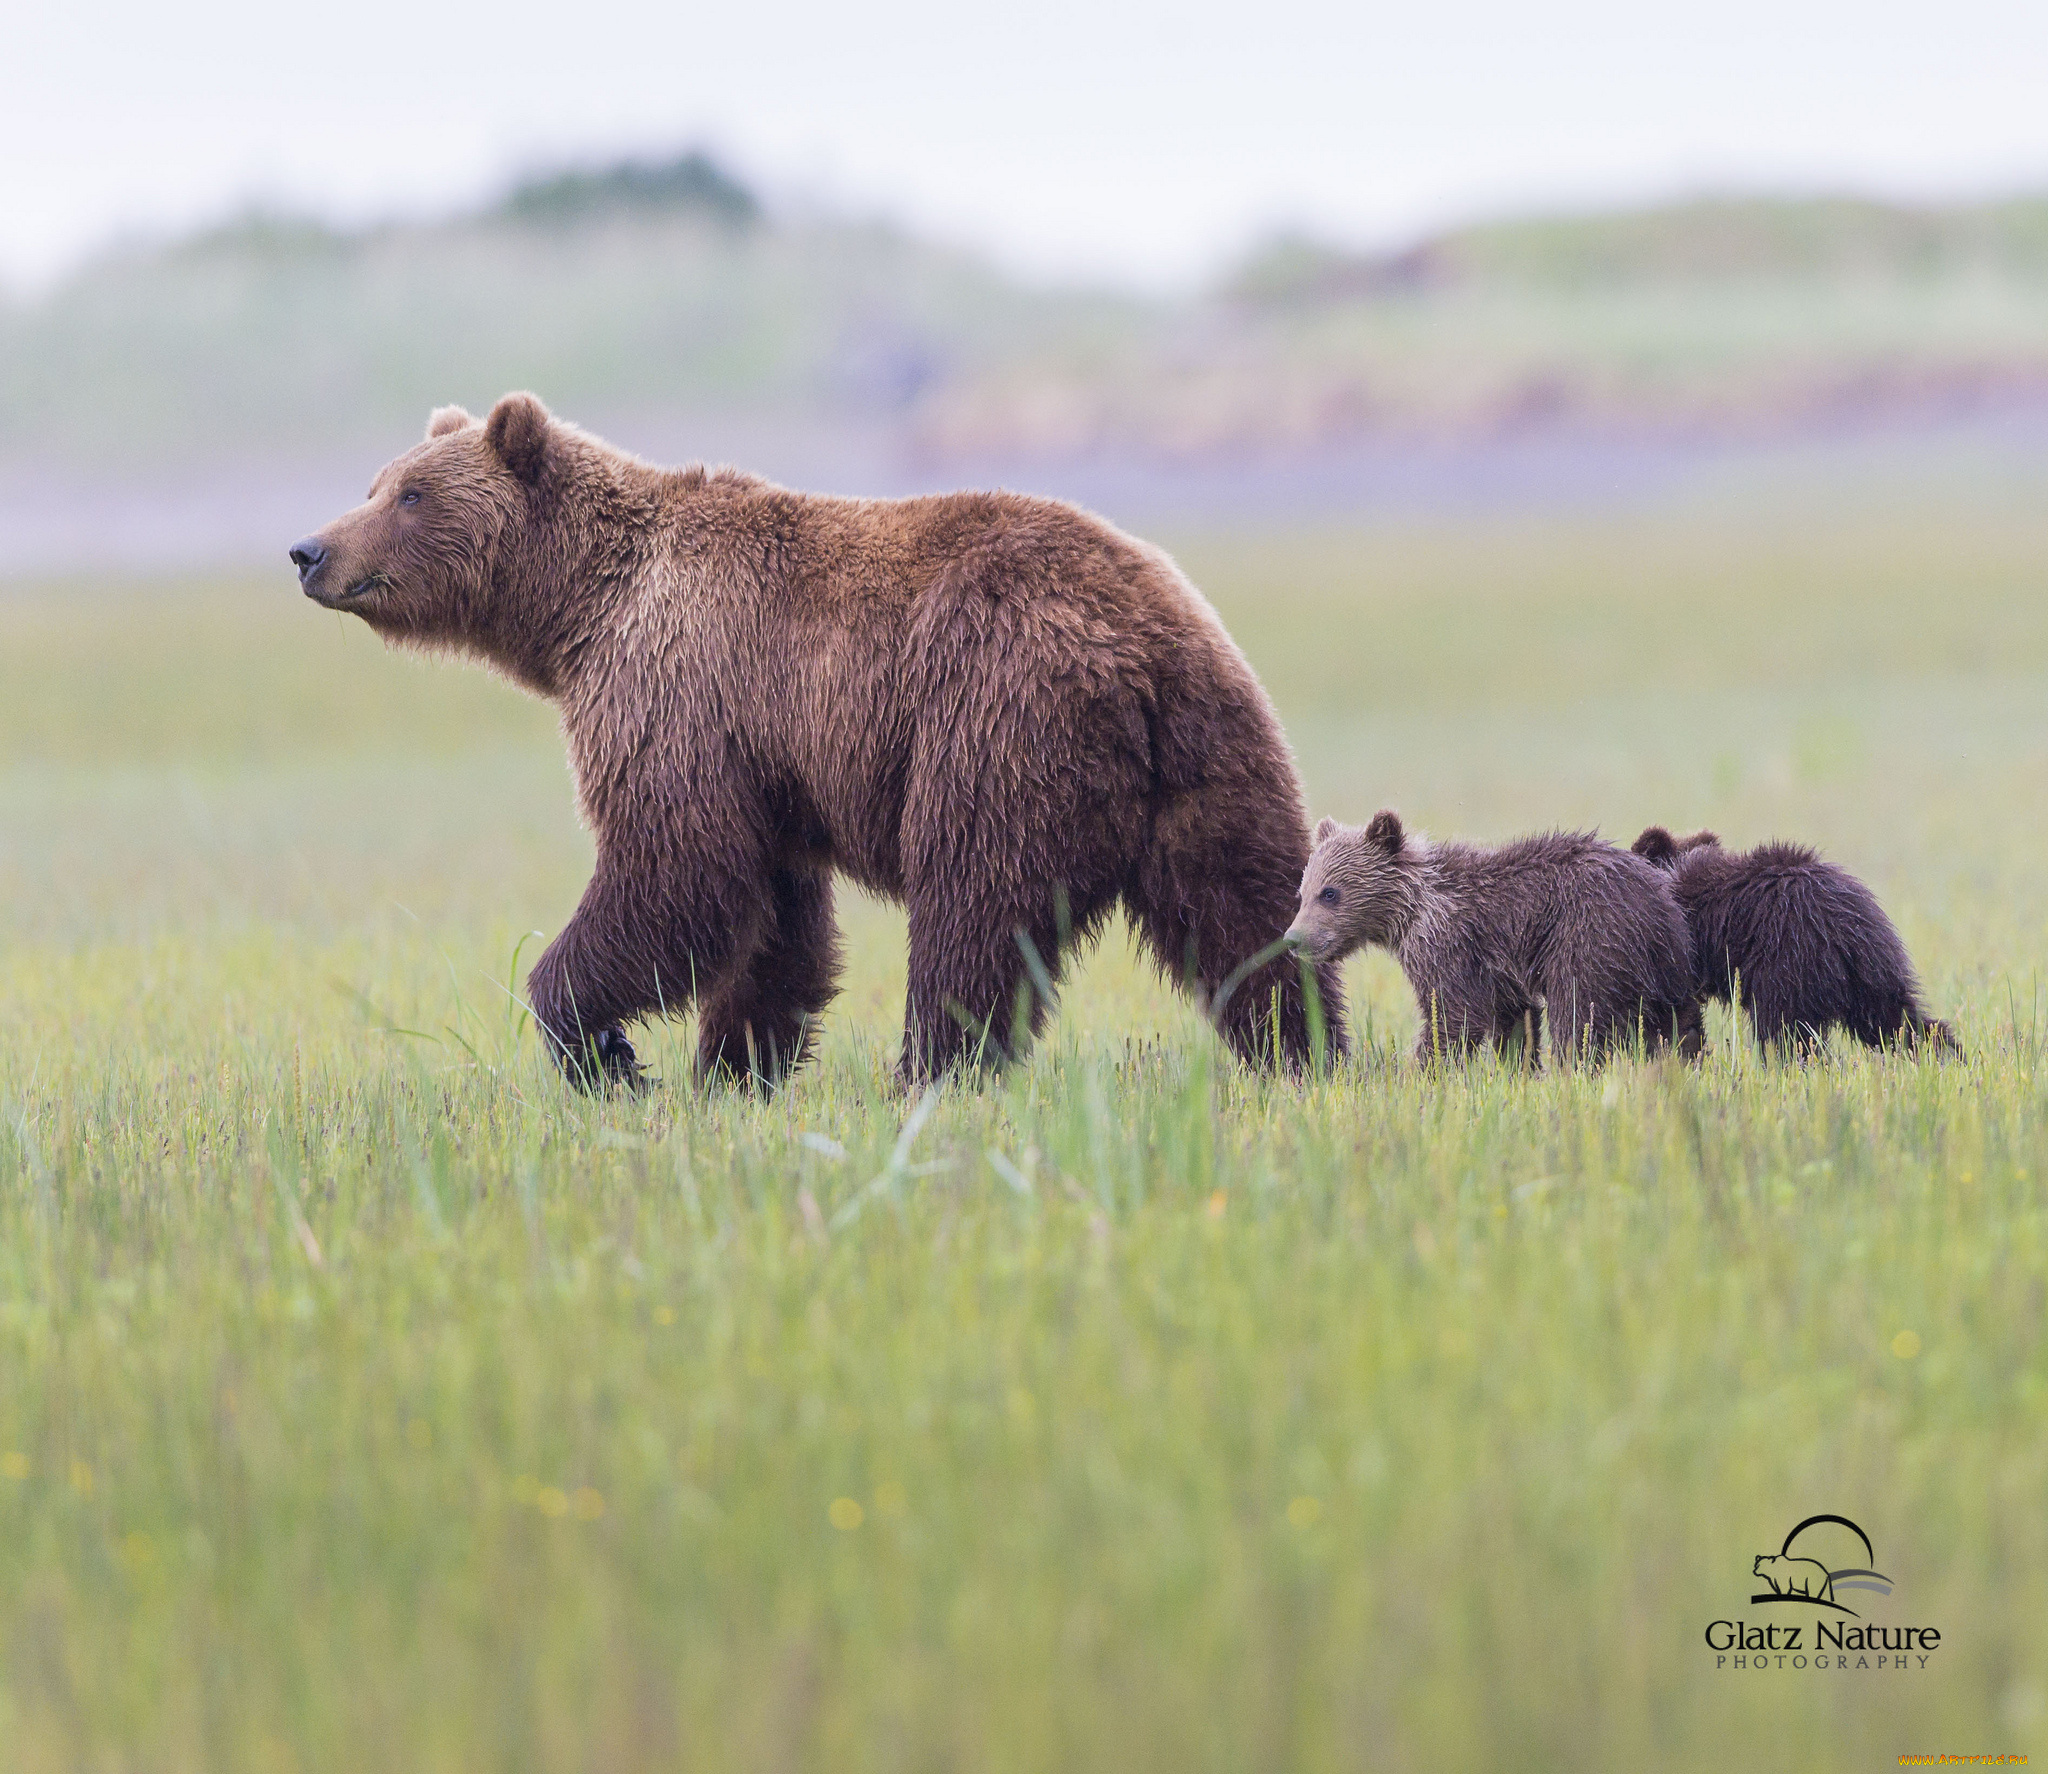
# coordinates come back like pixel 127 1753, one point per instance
pixel 411 496
pixel 1328 896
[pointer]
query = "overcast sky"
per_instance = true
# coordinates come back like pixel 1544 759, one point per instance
pixel 1138 141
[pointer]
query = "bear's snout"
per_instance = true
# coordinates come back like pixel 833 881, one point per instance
pixel 309 556
pixel 1306 939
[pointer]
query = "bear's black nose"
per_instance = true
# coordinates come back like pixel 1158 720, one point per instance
pixel 309 557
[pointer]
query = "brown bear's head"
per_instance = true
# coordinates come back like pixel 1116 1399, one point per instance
pixel 1359 887
pixel 420 560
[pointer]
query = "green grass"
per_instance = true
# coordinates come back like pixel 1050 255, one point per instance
pixel 368 1402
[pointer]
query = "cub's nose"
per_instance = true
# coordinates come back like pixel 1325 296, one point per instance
pixel 309 557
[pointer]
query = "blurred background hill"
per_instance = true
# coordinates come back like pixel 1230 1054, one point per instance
pixel 200 397
pixel 640 289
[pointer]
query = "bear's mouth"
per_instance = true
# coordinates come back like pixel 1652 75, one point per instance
pixel 364 586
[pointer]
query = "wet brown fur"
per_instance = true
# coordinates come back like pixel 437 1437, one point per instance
pixel 1562 929
pixel 1802 942
pixel 996 709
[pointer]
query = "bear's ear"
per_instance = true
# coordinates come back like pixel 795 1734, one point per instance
pixel 1700 840
pixel 1656 845
pixel 517 432
pixel 443 420
pixel 1326 829
pixel 1385 831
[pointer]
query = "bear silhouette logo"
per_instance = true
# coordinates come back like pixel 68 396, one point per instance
pixel 1806 1577
pixel 1799 1577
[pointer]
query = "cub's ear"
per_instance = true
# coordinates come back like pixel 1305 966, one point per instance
pixel 1656 845
pixel 517 432
pixel 1700 840
pixel 1326 829
pixel 446 419
pixel 1385 831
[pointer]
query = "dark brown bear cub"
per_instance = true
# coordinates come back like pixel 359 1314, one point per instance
pixel 1803 943
pixel 1563 929
pixel 998 710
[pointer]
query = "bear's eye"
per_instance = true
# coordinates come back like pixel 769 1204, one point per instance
pixel 411 496
pixel 1328 896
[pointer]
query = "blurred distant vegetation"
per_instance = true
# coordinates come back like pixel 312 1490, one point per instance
pixel 648 288
pixel 626 290
pixel 1714 240
pixel 695 182
pixel 1719 316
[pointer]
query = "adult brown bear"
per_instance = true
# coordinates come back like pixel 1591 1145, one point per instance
pixel 997 709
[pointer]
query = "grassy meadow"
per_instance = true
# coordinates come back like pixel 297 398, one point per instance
pixel 367 1401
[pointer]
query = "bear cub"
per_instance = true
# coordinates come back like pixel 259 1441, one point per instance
pixel 1803 943
pixel 1563 929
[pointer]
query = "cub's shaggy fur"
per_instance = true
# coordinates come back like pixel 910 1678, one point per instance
pixel 998 710
pixel 1563 928
pixel 1803 942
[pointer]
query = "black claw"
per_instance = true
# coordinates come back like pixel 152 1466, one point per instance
pixel 617 1064
pixel 606 1062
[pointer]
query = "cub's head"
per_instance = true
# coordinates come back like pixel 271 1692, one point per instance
pixel 416 559
pixel 1359 887
pixel 1658 846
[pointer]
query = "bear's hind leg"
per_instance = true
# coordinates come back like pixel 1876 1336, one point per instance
pixel 1652 1027
pixel 1518 1035
pixel 760 1023
pixel 975 997
pixel 1932 1034
pixel 1894 1019
pixel 1780 1030
pixel 1689 1030
pixel 1588 1028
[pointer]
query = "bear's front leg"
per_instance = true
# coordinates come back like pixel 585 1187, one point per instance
pixel 593 1055
pixel 1457 1020
pixel 606 1063
pixel 626 952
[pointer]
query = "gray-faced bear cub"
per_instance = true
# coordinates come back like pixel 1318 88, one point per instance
pixel 1803 943
pixel 1563 928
